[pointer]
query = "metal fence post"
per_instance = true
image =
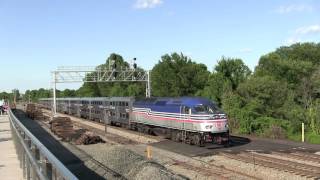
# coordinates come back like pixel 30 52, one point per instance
pixel 48 170
pixel 28 169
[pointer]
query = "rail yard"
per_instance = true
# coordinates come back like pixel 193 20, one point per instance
pixel 128 154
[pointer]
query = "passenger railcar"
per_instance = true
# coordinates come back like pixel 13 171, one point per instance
pixel 193 120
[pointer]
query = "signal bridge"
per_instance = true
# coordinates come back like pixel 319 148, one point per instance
pixel 73 74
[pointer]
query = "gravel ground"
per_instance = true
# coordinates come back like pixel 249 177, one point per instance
pixel 128 163
pixel 191 168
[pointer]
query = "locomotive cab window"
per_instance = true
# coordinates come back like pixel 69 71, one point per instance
pixel 185 110
pixel 203 109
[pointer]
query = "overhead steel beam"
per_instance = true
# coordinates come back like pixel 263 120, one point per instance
pixel 74 74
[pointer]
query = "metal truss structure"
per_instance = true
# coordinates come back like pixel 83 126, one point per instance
pixel 72 74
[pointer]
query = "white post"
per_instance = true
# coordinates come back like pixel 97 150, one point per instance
pixel 302 132
pixel 148 88
pixel 54 94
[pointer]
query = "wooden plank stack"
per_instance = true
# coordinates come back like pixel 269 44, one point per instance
pixel 62 127
pixel 88 138
pixel 34 112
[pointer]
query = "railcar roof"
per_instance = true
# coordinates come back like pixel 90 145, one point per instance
pixel 189 101
pixel 90 99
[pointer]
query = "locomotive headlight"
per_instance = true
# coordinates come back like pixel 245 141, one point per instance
pixel 227 126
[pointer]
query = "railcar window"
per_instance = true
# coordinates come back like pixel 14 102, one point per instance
pixel 186 110
pixel 211 109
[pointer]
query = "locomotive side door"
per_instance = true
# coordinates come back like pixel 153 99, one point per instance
pixel 185 113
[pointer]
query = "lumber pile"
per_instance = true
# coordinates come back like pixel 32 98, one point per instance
pixel 62 127
pixel 34 112
pixel 88 138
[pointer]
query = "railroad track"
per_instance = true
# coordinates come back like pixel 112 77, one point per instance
pixel 212 170
pixel 86 158
pixel 302 156
pixel 296 168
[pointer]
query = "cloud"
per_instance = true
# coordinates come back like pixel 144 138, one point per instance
pixel 294 8
pixel 308 29
pixel 292 40
pixel 147 4
pixel 303 32
pixel 245 50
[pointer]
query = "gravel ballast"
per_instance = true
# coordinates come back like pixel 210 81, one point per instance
pixel 128 163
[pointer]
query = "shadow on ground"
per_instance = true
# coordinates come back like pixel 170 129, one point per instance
pixel 71 161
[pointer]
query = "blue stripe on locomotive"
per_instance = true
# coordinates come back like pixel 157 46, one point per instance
pixel 171 105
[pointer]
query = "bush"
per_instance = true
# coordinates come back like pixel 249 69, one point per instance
pixel 312 138
pixel 269 127
pixel 274 132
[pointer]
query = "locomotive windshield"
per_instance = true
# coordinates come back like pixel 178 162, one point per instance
pixel 207 109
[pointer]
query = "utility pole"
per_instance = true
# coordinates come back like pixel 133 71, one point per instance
pixel 54 94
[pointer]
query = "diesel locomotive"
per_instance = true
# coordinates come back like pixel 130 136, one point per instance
pixel 193 120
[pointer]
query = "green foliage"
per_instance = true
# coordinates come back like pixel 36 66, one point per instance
pixel 285 87
pixel 228 74
pixel 313 116
pixel 105 89
pixel 233 70
pixel 313 138
pixel 178 75
pixel 270 127
pixel 34 95
pixel 89 90
pixel 67 93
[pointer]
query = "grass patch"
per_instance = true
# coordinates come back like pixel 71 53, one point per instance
pixel 294 137
pixel 312 138
pixel 309 138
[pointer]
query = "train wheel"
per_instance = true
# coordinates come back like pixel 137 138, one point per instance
pixel 175 136
pixel 195 139
pixel 202 140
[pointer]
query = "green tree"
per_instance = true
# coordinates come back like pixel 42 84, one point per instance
pixel 227 76
pixel 233 70
pixel 178 75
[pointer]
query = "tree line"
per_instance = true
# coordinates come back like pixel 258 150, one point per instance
pixel 272 101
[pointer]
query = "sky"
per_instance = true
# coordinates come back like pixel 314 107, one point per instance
pixel 37 36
